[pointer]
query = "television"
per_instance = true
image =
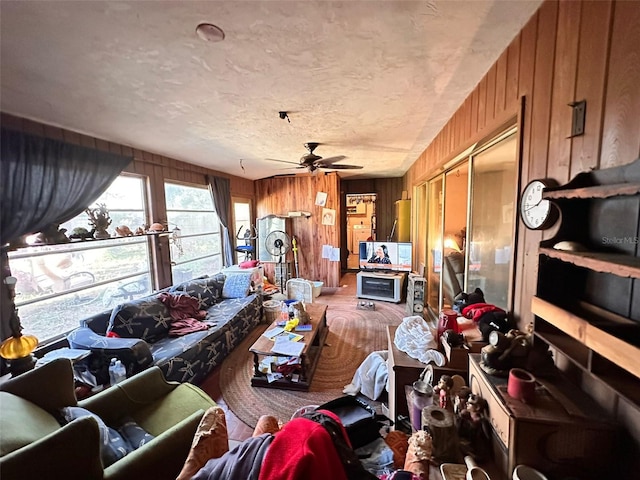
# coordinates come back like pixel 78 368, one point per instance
pixel 398 256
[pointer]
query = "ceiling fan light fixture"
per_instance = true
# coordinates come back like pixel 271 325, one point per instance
pixel 210 32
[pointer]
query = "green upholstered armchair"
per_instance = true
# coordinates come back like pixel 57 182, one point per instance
pixel 33 445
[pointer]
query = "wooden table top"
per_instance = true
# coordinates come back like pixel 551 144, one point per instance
pixel 317 314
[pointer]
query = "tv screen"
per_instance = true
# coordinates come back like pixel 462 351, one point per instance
pixel 394 256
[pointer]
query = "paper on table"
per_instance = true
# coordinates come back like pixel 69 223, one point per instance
pixel 273 332
pixel 284 346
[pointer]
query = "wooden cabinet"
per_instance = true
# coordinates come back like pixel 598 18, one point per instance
pixel 587 305
pixel 404 370
pixel 561 433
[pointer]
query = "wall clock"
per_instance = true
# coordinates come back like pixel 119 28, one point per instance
pixel 537 213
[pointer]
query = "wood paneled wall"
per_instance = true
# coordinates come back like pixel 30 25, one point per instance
pixel 156 168
pixel 568 51
pixel 281 195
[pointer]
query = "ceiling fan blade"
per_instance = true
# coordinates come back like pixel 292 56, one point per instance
pixel 282 161
pixel 340 167
pixel 330 160
pixel 291 168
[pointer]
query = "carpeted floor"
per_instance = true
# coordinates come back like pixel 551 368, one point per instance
pixel 353 334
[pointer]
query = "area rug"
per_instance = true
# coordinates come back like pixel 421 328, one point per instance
pixel 353 335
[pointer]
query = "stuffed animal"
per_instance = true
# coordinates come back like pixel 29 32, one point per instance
pixel 465 299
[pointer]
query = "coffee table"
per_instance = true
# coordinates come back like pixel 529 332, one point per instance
pixel 314 341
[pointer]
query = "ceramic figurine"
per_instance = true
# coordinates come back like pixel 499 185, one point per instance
pixel 443 392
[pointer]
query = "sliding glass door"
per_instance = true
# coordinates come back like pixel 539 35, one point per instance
pixel 434 242
pixel 456 187
pixel 492 221
pixel 470 233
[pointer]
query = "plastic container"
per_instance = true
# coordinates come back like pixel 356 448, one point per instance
pixel 117 371
pixel 284 312
pixel 448 320
pixel 316 289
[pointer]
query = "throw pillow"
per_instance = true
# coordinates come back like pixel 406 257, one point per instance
pixel 112 446
pixel 146 318
pixel 135 435
pixel 208 290
pixel 237 285
pixel 22 423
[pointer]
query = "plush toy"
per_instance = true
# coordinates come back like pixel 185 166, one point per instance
pixel 465 299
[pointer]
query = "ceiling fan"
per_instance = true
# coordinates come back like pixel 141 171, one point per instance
pixel 313 162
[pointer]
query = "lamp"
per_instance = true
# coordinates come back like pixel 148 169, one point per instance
pixel 449 242
pixel 17 348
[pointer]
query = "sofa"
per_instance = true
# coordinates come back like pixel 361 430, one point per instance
pixel 138 332
pixel 37 443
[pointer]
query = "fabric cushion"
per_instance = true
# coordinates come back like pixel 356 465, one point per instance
pixel 146 318
pixel 112 446
pixel 456 260
pixel 208 290
pixel 135 435
pixel 22 423
pixel 237 285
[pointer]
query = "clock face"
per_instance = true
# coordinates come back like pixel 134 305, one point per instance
pixel 536 212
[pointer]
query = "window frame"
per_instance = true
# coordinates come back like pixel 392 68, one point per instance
pixel 39 277
pixel 171 228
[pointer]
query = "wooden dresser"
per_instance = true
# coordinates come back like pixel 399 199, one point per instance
pixel 562 433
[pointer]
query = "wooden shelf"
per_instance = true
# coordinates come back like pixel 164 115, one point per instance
pixel 596 191
pixel 614 263
pixel 616 350
pixel 573 350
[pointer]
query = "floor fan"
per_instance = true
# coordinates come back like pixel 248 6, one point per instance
pixel 278 244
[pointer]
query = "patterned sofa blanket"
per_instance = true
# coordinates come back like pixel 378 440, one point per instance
pixel 139 331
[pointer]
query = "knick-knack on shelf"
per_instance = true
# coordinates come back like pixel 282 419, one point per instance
pixel 99 218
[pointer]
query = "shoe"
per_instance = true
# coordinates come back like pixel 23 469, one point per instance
pixel 210 441
pixel 266 424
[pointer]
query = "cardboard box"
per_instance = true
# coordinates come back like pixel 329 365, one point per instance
pixel 457 357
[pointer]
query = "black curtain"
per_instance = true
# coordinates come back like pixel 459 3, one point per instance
pixel 45 181
pixel 220 189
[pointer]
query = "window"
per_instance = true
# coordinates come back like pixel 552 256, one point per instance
pixel 244 231
pixel 58 285
pixel 197 250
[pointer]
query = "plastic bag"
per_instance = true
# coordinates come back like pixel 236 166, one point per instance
pixel 414 337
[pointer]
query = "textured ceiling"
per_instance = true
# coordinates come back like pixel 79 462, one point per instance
pixel 371 80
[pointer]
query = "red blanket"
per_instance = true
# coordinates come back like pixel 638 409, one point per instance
pixel 185 313
pixel 476 310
